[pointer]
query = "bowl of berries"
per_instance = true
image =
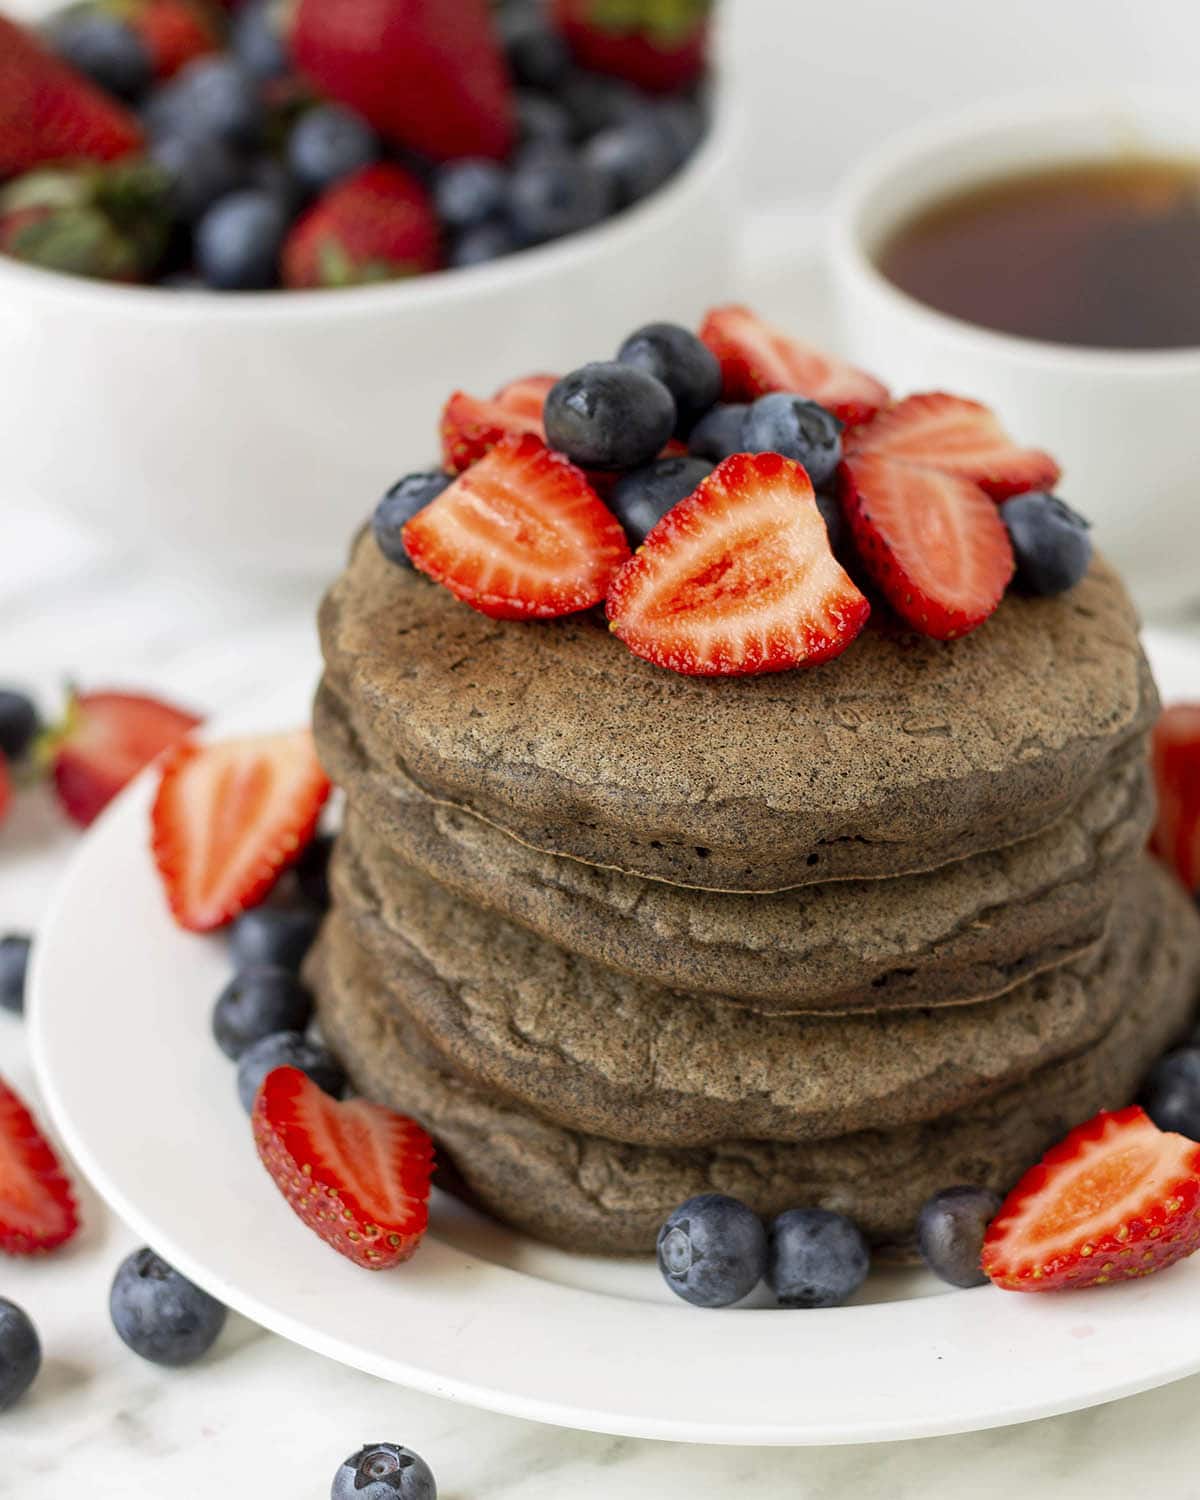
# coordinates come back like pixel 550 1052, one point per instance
pixel 184 188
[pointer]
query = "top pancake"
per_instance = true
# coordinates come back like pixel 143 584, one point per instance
pixel 901 755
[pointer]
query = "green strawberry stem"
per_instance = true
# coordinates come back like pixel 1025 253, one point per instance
pixel 666 23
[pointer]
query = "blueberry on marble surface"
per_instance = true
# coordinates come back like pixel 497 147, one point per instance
pixel 401 503
pixel 642 497
pixel 160 1314
pixel 608 415
pixel 712 1251
pixel 950 1230
pixel 20 1353
pixel 817 1258
pixel 258 1003
pixel 384 1471
pixel 287 1049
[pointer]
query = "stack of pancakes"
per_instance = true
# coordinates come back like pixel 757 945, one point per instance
pixel 840 937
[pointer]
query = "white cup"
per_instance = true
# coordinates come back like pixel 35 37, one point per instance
pixel 1124 425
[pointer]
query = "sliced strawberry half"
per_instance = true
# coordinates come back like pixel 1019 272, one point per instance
pixel 37 1206
pixel 1117 1198
pixel 229 818
pixel 470 427
pixel 757 358
pixel 1175 755
pixel 356 1173
pixel 955 436
pixel 521 535
pixel 738 578
pixel 934 543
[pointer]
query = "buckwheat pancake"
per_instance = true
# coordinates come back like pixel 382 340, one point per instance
pixel 900 756
pixel 589 1193
pixel 593 1050
pixel 967 931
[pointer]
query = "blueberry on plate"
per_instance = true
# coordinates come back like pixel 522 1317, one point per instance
pixel 552 192
pixel 105 49
pixel 688 368
pixel 239 239
pixel 950 1230
pixel 817 1258
pixel 682 123
pixel 1051 543
pixel 160 1314
pixel 401 503
pixel 469 191
pixel 483 243
pixel 712 1251
pixel 841 539
pixel 14 964
pixel 541 120
pixel 327 143
pixel 312 871
pixel 538 56
pixel 19 723
pixel 20 1353
pixel 274 936
pixel 212 96
pixel 256 38
pixel 1171 1093
pixel 797 428
pixel 384 1471
pixel 595 102
pixel 201 170
pixel 634 157
pixel 609 416
pixel 287 1049
pixel 642 497
pixel 257 1003
pixel 719 433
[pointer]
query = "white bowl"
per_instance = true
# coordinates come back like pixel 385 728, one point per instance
pixel 1121 423
pixel 255 430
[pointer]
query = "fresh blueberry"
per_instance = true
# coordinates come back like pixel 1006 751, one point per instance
pixel 595 102
pixel 682 123
pixel 256 38
pixel 1050 541
pixel 542 120
pixel 469 191
pixel 239 239
pixel 312 871
pixel 213 96
pixel 538 56
pixel 20 1353
pixel 817 1258
pixel 1171 1093
pixel 718 434
pixel 256 1003
pixel 275 936
pixel 14 963
pixel 401 503
pixel 841 539
pixel 642 497
pixel 799 429
pixel 475 247
pixel 107 50
pixel 950 1230
pixel 19 723
pixel 269 175
pixel 201 168
pixel 327 143
pixel 634 157
pixel 287 1049
pixel 160 1314
pixel 384 1471
pixel 609 416
pixel 552 192
pixel 712 1251
pixel 688 368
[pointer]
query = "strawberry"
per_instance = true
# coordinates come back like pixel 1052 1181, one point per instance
pixel 37 1206
pixel 1175 756
pixel 428 74
pixel 105 739
pixel 521 535
pixel 757 358
pixel 1117 1198
pixel 378 224
pixel 175 32
pixel 48 111
pixel 955 436
pixel 934 543
pixel 356 1173
pixel 470 426
pixel 229 818
pixel 659 45
pixel 738 578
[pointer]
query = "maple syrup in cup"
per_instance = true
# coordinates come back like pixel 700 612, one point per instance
pixel 1042 255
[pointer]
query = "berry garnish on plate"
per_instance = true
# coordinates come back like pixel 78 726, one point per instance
pixel 1052 544
pixel 608 415
pixel 1175 757
pixel 657 47
pixel 378 224
pixel 327 143
pixel 470 427
pixel 1117 1198
pixel 384 1471
pixel 19 724
pixel 278 936
pixel 287 1049
pixel 738 578
pixel 677 358
pixel 20 1353
pixel 950 1230
pixel 259 1002
pixel 1170 1092
pixel 397 508
pixel 815 1258
pixel 229 818
pixel 173 32
pixel 640 498
pixel 797 428
pixel 719 433
pixel 37 1206
pixel 14 963
pixel 520 535
pixel 712 1251
pixel 104 47
pixel 160 1314
pixel 354 1172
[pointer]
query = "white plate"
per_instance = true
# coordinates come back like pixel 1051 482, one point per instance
pixel 146 1103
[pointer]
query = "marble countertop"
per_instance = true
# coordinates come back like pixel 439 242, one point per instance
pixel 260 1417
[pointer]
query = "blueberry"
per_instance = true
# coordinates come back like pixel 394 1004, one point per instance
pixel 384 1471
pixel 712 1251
pixel 688 368
pixel 475 247
pixel 817 1258
pixel 327 143
pixel 312 871
pixel 595 102
pixel 19 723
pixel 259 1002
pixel 20 1353
pixel 609 416
pixel 1050 542
pixel 213 96
pixel 286 1049
pixel 797 428
pixel 160 1314
pixel 642 497
pixel 256 39
pixel 634 157
pixel 950 1230
pixel 239 239
pixel 718 434
pixel 552 192
pixel 682 124
pixel 401 503
pixel 269 175
pixel 105 49
pixel 14 963
pixel 469 191
pixel 201 168
pixel 542 120
pixel 274 936
pixel 1171 1093
pixel 841 539
pixel 538 56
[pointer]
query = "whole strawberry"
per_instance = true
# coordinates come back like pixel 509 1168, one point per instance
pixel 376 225
pixel 659 45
